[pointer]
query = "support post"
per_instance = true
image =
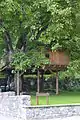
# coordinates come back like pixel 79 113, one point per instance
pixel 15 81
pixel 38 81
pixel 47 98
pixel 57 84
pixel 18 83
pixel 42 81
pixel 37 100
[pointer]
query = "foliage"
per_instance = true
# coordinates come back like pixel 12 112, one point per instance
pixel 18 20
pixel 27 26
pixel 32 59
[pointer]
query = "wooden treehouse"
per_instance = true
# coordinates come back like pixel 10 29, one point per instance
pixel 59 61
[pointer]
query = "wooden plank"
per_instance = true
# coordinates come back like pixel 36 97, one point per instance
pixel 42 94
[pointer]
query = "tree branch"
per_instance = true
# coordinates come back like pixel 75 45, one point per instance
pixel 7 38
pixel 40 31
pixel 21 44
pixel 8 41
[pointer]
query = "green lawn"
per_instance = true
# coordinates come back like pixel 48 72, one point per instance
pixel 62 98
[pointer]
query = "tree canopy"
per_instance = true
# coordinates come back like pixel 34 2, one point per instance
pixel 29 27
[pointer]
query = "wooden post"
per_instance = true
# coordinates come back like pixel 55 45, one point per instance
pixel 38 82
pixel 17 82
pixel 37 100
pixel 57 86
pixel 20 82
pixel 47 99
pixel 42 81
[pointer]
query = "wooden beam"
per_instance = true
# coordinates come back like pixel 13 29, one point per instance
pixel 38 76
pixel 18 92
pixel 57 84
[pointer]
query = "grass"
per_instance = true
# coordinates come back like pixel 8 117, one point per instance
pixel 62 98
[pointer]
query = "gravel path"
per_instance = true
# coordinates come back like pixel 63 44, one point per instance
pixel 68 118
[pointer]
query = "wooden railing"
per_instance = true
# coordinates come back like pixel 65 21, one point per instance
pixel 42 94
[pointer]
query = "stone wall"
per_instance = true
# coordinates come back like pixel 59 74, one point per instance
pixel 13 106
pixel 51 112
pixel 19 107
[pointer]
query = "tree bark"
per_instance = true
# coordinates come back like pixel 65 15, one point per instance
pixel 22 42
pixel 8 41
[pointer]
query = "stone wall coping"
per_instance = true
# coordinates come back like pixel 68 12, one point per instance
pixel 56 105
pixel 15 95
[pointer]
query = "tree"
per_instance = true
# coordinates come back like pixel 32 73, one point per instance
pixel 28 27
pixel 17 27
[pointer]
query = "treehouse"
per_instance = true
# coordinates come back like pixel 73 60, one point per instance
pixel 59 60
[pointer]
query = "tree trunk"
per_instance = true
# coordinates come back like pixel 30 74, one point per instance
pixel 18 83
